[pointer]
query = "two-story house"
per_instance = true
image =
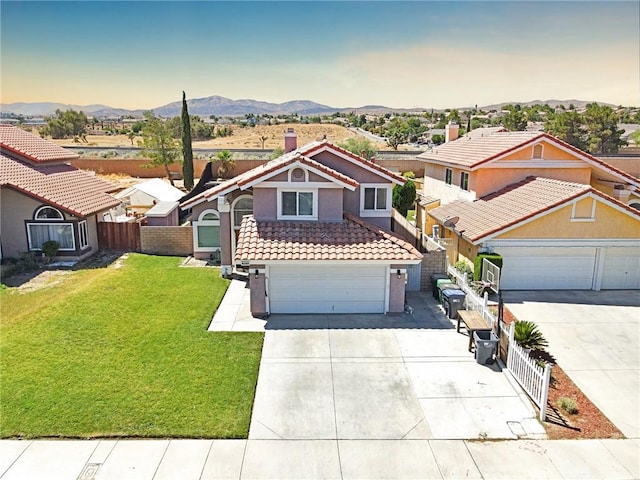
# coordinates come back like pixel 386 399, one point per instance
pixel 560 217
pixel 312 229
pixel 43 198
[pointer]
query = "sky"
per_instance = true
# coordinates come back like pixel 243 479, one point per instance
pixel 343 54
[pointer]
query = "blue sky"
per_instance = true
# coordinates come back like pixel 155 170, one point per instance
pixel 399 54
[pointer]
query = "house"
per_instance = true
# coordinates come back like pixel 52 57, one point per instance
pixel 559 217
pixel 43 198
pixel 312 229
pixel 142 196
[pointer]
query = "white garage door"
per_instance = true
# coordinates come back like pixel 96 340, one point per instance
pixel 621 268
pixel 327 289
pixel 547 268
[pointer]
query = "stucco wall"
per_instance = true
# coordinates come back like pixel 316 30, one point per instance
pixel 489 180
pixel 609 223
pixel 330 204
pixel 257 298
pixel 265 203
pixel 16 208
pixel 167 240
pixel 396 290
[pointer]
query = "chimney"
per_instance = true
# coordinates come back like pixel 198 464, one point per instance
pixel 451 132
pixel 290 140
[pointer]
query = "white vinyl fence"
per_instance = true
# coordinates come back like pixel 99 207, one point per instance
pixel 474 301
pixel 533 378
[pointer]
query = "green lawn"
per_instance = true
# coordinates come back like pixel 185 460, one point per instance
pixel 125 352
pixel 411 215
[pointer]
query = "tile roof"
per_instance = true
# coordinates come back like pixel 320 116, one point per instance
pixel 17 141
pixel 474 150
pixel 508 206
pixel 302 154
pixel 61 185
pixel 352 239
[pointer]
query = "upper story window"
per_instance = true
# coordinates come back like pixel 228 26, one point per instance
pixel 375 200
pixel 448 176
pixel 297 204
pixel 464 181
pixel 537 151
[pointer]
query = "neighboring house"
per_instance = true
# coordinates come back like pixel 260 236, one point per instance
pixel 43 198
pixel 560 217
pixel 142 196
pixel 312 229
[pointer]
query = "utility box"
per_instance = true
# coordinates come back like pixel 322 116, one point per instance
pixel 452 301
pixel 486 346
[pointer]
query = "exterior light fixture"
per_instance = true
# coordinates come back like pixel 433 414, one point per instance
pixel 257 273
pixel 399 276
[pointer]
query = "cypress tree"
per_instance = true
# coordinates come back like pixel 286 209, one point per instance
pixel 187 152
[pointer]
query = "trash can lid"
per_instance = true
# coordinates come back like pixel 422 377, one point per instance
pixel 438 276
pixel 453 292
pixel 442 281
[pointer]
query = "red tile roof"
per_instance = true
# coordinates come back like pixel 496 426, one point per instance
pixel 352 239
pixel 472 151
pixel 509 206
pixel 31 147
pixel 301 154
pixel 60 185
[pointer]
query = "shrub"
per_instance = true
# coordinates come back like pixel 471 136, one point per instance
pixel 569 405
pixel 477 263
pixel 528 336
pixel 50 248
pixel 409 175
pixel 464 268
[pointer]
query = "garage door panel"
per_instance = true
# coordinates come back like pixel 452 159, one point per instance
pixel 327 289
pixel 621 268
pixel 547 268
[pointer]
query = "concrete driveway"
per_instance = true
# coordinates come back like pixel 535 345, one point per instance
pixel 595 337
pixel 373 377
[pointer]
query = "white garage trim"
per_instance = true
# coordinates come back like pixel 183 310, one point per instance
pixel 359 288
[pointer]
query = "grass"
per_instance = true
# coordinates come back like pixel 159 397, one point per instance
pixel 125 353
pixel 411 215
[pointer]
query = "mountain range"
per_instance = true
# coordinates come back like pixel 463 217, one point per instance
pixel 226 107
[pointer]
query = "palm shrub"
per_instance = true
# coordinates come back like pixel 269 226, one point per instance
pixel 528 336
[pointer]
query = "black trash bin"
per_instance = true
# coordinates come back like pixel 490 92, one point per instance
pixel 486 345
pixel 452 301
pixel 434 282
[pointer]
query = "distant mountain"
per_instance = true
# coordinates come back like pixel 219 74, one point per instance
pixel 226 107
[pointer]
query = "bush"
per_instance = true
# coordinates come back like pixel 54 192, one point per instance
pixel 477 263
pixel 409 175
pixel 464 268
pixel 50 248
pixel 528 336
pixel 569 405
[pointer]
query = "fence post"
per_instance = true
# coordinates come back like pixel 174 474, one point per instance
pixel 546 379
pixel 485 306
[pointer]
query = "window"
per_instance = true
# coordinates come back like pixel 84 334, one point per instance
pixel 241 207
pixel 44 230
pixel 300 204
pixel 448 176
pixel 375 200
pixel 83 234
pixel 207 231
pixel 62 233
pixel 464 181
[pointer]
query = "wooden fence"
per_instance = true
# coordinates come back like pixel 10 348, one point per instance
pixel 533 378
pixel 123 236
pixel 404 228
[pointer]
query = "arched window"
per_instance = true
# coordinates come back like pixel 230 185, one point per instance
pixel 207 231
pixel 48 213
pixel 241 206
pixel 537 151
pixel 48 225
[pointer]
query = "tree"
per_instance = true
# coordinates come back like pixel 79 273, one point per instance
pixel 569 127
pixel 404 196
pixel 515 120
pixel 158 144
pixel 187 151
pixel 69 124
pixel 358 145
pixel 225 163
pixel 603 135
pixel 263 138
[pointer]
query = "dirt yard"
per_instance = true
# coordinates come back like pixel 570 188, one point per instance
pixel 247 137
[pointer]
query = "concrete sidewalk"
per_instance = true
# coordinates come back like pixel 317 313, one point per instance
pixel 314 459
